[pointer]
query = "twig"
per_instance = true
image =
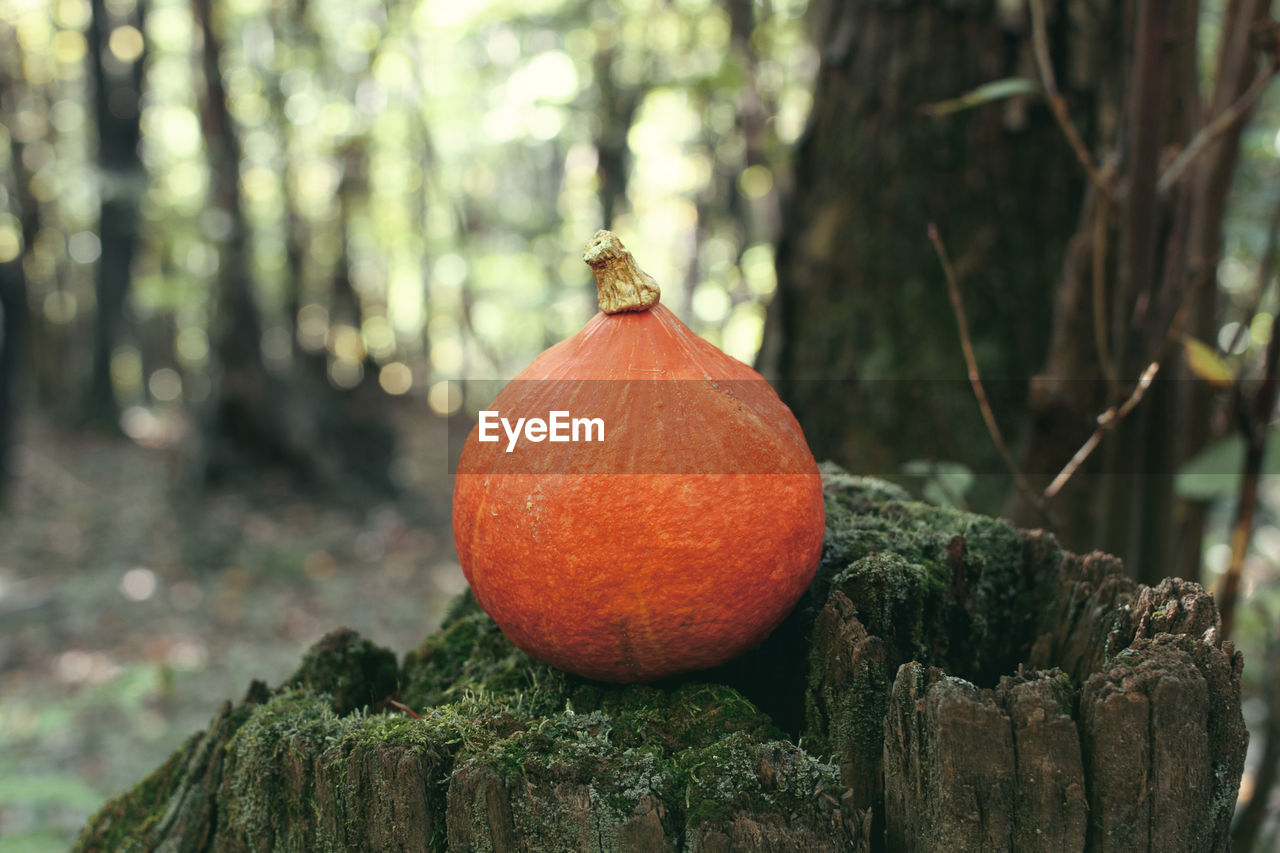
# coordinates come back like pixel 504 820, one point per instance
pixel 1107 421
pixel 975 378
pixel 1255 425
pixel 1211 131
pixel 403 707
pixel 1100 291
pixel 1268 251
pixel 1057 104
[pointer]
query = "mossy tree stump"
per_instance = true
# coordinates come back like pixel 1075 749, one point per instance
pixel 949 683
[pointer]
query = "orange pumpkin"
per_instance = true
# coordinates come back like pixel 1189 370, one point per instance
pixel 676 542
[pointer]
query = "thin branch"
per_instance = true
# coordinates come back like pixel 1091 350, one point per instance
pixel 1223 122
pixel 1107 421
pixel 1273 243
pixel 1058 104
pixel 1099 276
pixel 1174 332
pixel 975 378
pixel 1255 424
pixel 403 707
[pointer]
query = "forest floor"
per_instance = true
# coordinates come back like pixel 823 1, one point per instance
pixel 127 616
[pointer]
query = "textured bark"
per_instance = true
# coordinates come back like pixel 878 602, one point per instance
pixel 970 686
pixel 861 299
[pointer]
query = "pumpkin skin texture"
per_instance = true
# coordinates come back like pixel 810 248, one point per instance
pixel 680 541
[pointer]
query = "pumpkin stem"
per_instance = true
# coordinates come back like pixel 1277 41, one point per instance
pixel 620 283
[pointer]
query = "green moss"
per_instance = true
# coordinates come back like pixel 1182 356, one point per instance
pixel 686 716
pixel 354 671
pixel 899 601
pixel 941 585
pixel 699 749
pixel 738 774
pixel 922 580
pixel 267 781
pixel 470 654
pixel 124 822
pixel 856 494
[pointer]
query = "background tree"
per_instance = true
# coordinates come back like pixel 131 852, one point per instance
pixel 859 336
pixel 13 304
pixel 116 56
pixel 303 425
pixel 1132 264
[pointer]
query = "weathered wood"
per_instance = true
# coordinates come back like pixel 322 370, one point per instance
pixel 970 769
pixel 1135 705
pixel 949 683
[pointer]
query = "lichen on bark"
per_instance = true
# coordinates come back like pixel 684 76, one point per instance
pixel 946 678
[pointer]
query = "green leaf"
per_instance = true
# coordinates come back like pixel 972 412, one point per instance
pixel 1205 362
pixel 1215 471
pixel 946 483
pixel 996 90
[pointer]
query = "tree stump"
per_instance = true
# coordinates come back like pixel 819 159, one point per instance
pixel 949 683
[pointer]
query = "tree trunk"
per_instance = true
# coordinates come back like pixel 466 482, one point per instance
pixel 965 686
pixel 859 336
pixel 13 306
pixel 254 416
pixel 13 314
pixel 117 102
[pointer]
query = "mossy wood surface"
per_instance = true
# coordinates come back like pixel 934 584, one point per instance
pixel 949 683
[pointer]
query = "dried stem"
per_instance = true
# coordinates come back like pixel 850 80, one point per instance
pixel 1107 421
pixel 1269 251
pixel 975 378
pixel 621 285
pixel 1223 122
pixel 1100 304
pixel 1255 425
pixel 1057 104
pixel 403 707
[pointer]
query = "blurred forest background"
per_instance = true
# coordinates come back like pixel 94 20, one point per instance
pixel 251 252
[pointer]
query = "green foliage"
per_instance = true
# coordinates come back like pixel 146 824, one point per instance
pixel 444 159
pixel 945 483
pixel 996 90
pixel 1215 472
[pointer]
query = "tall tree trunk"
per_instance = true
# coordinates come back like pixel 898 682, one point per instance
pixel 859 337
pixel 117 102
pixel 255 417
pixel 13 314
pixel 13 297
pixel 618 105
